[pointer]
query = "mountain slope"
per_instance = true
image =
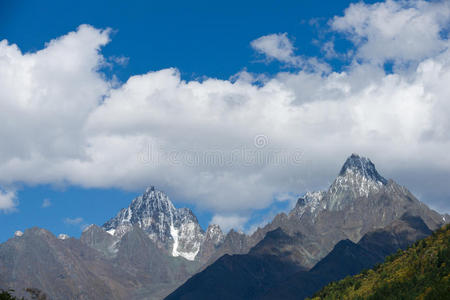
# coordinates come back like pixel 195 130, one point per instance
pixel 235 277
pixel 98 266
pixel 100 240
pixel 213 239
pixel 420 272
pixel 64 269
pixel 346 258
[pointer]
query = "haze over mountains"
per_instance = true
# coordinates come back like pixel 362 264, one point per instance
pixel 150 248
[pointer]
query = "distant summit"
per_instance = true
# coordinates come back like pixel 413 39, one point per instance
pixel 363 166
pixel 174 229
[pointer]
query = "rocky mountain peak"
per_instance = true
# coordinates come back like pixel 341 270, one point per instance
pixel 154 200
pixel 213 239
pixel 175 230
pixel 150 189
pixel 363 166
pixel 215 234
pixel 358 178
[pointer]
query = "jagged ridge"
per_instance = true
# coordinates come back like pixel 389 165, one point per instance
pixel 175 230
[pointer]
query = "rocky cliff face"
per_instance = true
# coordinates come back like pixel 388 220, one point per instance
pixel 175 230
pixel 96 238
pixel 214 238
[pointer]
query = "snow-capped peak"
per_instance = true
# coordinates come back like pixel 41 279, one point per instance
pixel 357 178
pixel 176 230
pixel 356 164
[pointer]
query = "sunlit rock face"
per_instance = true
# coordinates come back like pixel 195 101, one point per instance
pixel 172 229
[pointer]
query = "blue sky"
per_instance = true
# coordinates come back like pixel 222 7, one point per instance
pixel 204 39
pixel 200 38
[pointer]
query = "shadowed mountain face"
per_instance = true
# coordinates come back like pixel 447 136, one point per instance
pixel 398 235
pixel 283 246
pixel 348 258
pixel 271 274
pixel 236 277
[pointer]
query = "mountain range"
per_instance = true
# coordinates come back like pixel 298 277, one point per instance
pixel 152 249
pixel 259 275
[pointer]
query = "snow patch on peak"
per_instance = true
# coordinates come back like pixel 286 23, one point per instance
pixel 184 235
pixel 314 196
pixel 63 236
pixel 363 166
pixel 174 234
pixel 18 233
pixel 311 201
pixel 357 183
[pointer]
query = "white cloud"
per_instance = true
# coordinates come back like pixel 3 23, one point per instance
pixel 7 200
pixel 73 221
pixel 402 31
pixel 47 95
pixel 227 222
pixel 276 46
pixel 65 123
pixel 46 203
pixel 279 47
pixel 120 60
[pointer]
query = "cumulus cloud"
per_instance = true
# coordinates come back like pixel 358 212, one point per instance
pixel 227 222
pixel 78 221
pixel 73 221
pixel 47 95
pixel 7 200
pixel 231 146
pixel 401 31
pixel 276 46
pixel 279 47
